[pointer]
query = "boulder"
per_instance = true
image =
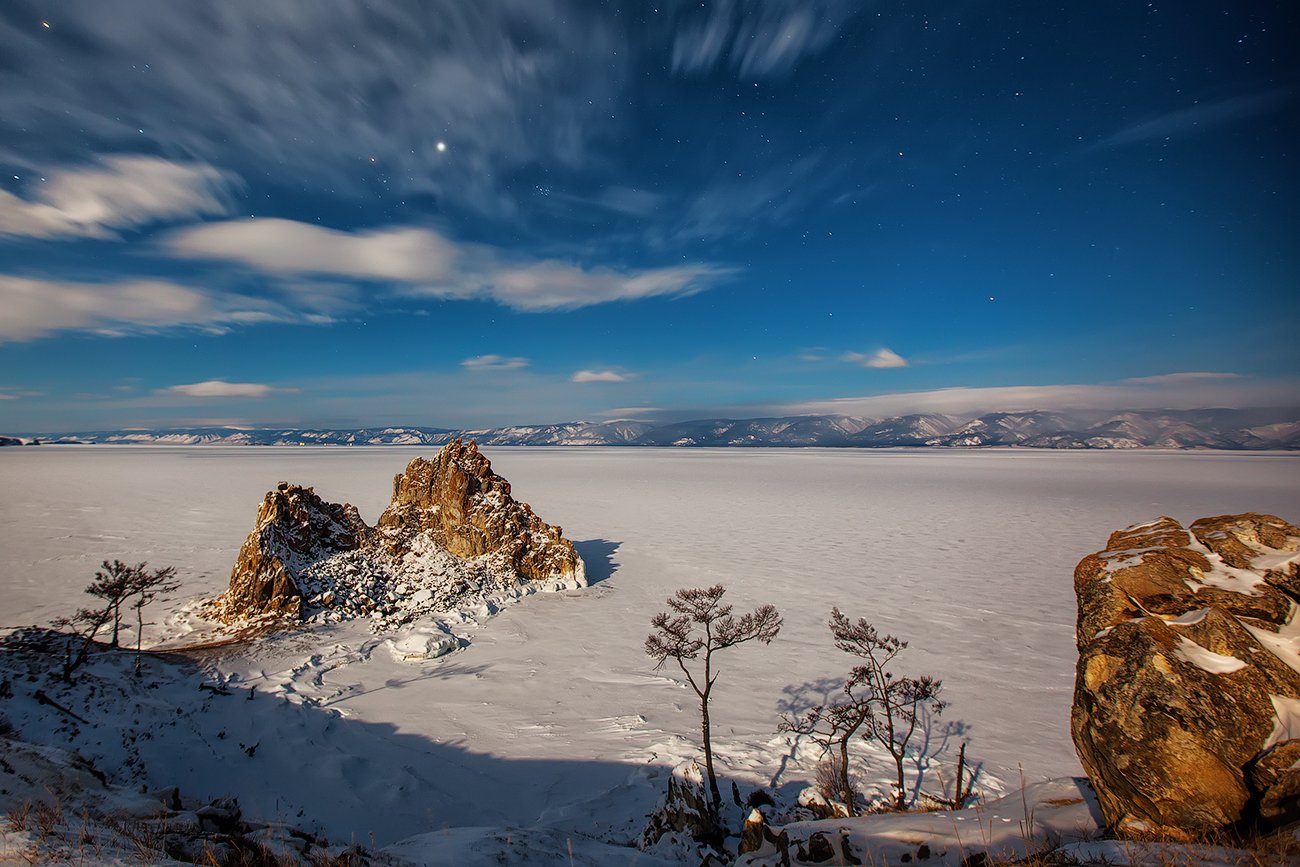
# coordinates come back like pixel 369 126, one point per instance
pixel 452 509
pixel 684 810
pixel 468 509
pixel 1187 693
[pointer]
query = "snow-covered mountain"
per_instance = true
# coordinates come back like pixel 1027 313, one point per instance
pixel 1166 429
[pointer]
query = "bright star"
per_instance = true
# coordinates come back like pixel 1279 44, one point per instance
pixel 441 146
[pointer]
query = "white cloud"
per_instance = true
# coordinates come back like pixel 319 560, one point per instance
pixel 221 388
pixel 125 191
pixel 1174 394
pixel 629 413
pixel 427 264
pixel 494 362
pixel 286 246
pixel 1190 376
pixel 34 308
pixel 882 358
pixel 600 376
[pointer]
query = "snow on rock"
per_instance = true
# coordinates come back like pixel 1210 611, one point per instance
pixel 1036 819
pixel 452 536
pixel 1188 674
pixel 467 508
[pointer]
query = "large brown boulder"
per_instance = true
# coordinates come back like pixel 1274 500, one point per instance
pixel 1187 694
pixel 305 552
pixel 467 508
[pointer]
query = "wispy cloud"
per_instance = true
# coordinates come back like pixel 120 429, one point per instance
pixel 1190 376
pixel 35 308
pixel 1197 117
pixel 494 362
pixel 221 388
pixel 504 85
pixel 1193 393
pixel 429 264
pixel 600 376
pixel 122 192
pixel 629 412
pixel 882 358
pixel 756 39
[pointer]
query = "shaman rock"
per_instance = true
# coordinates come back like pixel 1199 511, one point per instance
pixel 452 535
pixel 468 509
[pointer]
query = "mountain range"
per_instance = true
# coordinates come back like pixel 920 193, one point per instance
pixel 1167 429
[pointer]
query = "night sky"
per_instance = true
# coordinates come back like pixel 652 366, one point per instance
pixel 485 213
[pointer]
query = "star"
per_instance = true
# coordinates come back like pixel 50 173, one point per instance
pixel 441 146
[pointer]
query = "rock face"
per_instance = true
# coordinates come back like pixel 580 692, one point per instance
pixel 469 511
pixel 451 531
pixel 1187 693
pixel 295 528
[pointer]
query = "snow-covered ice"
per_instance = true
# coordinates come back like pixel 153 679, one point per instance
pixel 548 714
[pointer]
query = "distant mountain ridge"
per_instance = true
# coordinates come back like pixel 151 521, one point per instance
pixel 1251 429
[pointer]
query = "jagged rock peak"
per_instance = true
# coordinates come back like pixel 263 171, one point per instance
pixel 295 527
pixel 470 512
pixel 452 535
pixel 1187 693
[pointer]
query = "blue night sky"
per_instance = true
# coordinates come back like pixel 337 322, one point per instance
pixel 458 214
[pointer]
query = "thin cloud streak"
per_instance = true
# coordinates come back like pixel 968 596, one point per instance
pixel 1196 118
pixel 1168 394
pixel 757 40
pixel 494 362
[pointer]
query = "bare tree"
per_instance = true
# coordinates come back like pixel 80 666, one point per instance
pixel 85 624
pixel 118 585
pixel 145 587
pixel 699 626
pixel 897 703
pixel 833 727
pixel 113 584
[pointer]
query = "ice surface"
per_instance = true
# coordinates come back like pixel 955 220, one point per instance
pixel 551 706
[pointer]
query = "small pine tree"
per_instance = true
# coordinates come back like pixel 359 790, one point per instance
pixel 699 626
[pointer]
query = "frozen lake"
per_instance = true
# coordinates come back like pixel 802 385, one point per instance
pixel 967 555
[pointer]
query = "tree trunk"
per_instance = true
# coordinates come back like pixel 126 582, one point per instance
pixel 901 800
pixel 846 790
pixel 714 795
pixel 139 628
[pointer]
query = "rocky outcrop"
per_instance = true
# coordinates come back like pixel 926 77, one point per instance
pixel 295 528
pixel 1187 693
pixel 467 508
pixel 452 531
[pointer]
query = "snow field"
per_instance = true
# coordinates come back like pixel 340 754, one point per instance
pixel 550 714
